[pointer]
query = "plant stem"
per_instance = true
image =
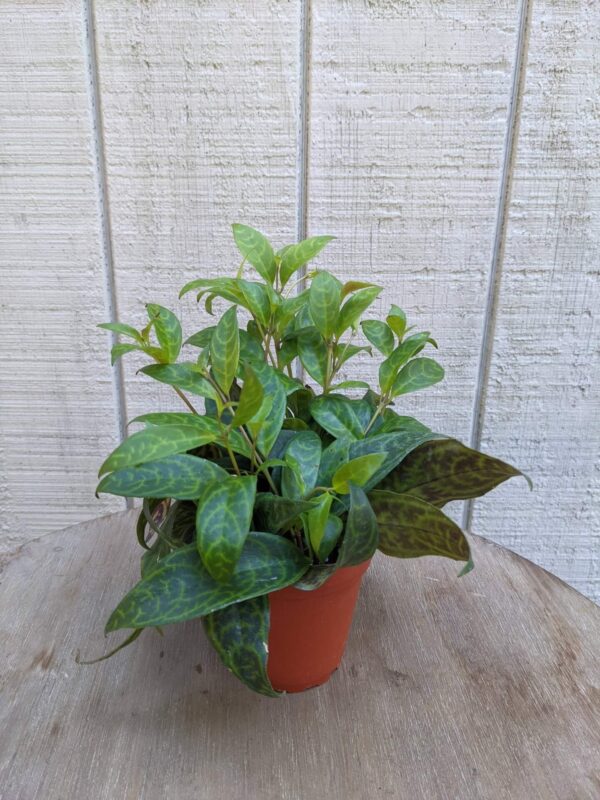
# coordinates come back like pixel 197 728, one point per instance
pixel 186 401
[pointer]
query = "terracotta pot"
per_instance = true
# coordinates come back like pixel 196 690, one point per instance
pixel 308 630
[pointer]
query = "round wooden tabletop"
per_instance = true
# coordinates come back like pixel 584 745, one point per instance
pixel 482 687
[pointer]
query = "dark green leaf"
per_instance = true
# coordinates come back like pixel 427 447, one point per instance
pixel 390 421
pixel 410 527
pixel 207 424
pixel 358 471
pixel 256 249
pixel 201 338
pixel 225 349
pixel 333 456
pixel 379 334
pixel 240 634
pixel 417 374
pixel 340 416
pixel 333 531
pixel 344 351
pixel 324 302
pixel 223 519
pixel 156 442
pixel 182 376
pixel 305 450
pixel 354 307
pixel 266 424
pixel 256 299
pixel 313 354
pixel 251 399
pixel 275 513
pixel 183 589
pixel 297 255
pixel 179 476
pixel 443 470
pixel 395 445
pixel 168 331
pixel 360 535
pixel 317 575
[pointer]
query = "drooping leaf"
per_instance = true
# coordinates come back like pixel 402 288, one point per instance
pixel 225 349
pixel 379 334
pixel 354 307
pixel 317 575
pixel 340 416
pixel 305 450
pixel 182 587
pixel 168 331
pixel 443 470
pixel 297 255
pixel 223 518
pixel 333 531
pixel 312 352
pixel 182 376
pixel 417 374
pixel 180 476
pixel 324 302
pixel 410 527
pixel 154 443
pixel 207 424
pixel 316 520
pixel 256 249
pixel 396 446
pixel 251 398
pixel 227 288
pixel 121 349
pixel 240 635
pixel 125 330
pixel 353 286
pixel 275 513
pixel 357 471
pixel 360 534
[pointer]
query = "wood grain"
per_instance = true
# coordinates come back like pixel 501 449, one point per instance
pixel 541 409
pixel 483 688
pixel 56 401
pixel 200 106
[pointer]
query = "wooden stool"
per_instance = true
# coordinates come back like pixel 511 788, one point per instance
pixel 482 687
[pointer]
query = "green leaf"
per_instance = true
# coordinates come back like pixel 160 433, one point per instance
pixel 275 513
pixel 179 476
pixel 396 319
pixel 201 338
pixel 118 350
pixel 351 385
pixel 154 443
pixel 410 527
pixel 333 531
pixel 182 376
pixel 317 575
pixel 388 369
pixel 390 422
pixel 168 330
pixel 251 399
pixel 125 330
pixel 358 471
pixel 333 456
pixel 240 634
pixel 256 299
pixel 443 470
pixel 324 303
pixel 316 520
pixel 313 354
pixel 225 349
pixel 305 450
pixel 354 307
pixel 417 374
pixel 379 334
pixel 344 351
pixel 182 588
pixel 256 249
pixel 360 534
pixel 297 255
pixel 223 518
pixel 354 286
pixel 340 416
pixel 395 445
pixel 266 424
pixel 207 424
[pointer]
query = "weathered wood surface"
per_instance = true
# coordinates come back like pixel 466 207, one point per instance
pixel 543 397
pixel 483 688
pixel 56 398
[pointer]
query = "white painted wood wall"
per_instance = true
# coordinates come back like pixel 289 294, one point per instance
pixel 453 146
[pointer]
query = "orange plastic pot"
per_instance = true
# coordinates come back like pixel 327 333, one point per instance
pixel 309 630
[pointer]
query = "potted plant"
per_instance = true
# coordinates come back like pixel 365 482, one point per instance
pixel 261 514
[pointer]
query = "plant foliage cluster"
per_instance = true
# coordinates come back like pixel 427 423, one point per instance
pixel 278 482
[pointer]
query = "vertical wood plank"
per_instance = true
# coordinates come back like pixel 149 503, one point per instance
pixel 57 415
pixel 409 106
pixel 541 408
pixel 200 108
